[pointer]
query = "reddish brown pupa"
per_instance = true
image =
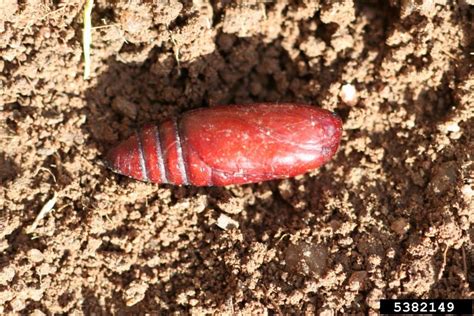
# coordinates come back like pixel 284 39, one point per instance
pixel 226 145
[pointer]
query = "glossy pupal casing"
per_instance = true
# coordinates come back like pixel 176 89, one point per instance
pixel 232 144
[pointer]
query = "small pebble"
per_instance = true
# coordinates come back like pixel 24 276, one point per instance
pixel 467 191
pixel 452 127
pixel 348 94
pixel 35 255
pixel 225 222
pixel 135 293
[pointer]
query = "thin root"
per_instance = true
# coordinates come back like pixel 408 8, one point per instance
pixel 87 38
pixel 443 266
pixel 45 210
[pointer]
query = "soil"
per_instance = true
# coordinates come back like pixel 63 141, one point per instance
pixel 391 216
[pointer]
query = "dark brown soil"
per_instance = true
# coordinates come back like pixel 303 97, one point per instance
pixel 390 216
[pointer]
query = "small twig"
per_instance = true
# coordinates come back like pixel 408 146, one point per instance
pixel 108 218
pixel 57 211
pixel 448 54
pixel 175 50
pixel 262 5
pixel 45 210
pixel 102 27
pixel 443 266
pixel 87 38
pixel 31 84
pixel 106 26
pixel 47 170
pixel 281 237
